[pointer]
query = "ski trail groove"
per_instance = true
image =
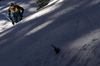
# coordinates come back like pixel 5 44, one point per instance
pixel 78 22
pixel 88 18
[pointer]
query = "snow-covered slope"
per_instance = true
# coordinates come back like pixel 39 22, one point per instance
pixel 71 25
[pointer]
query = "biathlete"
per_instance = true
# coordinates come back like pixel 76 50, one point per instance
pixel 17 13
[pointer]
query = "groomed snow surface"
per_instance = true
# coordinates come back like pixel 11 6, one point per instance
pixel 71 25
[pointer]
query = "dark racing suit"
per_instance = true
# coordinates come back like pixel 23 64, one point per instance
pixel 17 13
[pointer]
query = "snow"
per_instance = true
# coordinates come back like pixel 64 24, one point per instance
pixel 71 25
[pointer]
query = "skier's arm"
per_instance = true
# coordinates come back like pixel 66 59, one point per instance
pixel 21 9
pixel 9 14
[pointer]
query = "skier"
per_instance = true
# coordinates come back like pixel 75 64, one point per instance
pixel 16 11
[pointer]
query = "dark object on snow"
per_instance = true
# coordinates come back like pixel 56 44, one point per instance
pixel 41 3
pixel 57 50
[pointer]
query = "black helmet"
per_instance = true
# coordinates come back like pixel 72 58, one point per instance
pixel 11 4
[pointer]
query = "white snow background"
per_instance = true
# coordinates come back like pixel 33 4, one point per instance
pixel 71 25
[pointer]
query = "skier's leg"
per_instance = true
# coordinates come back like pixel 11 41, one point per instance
pixel 20 18
pixel 20 15
pixel 15 19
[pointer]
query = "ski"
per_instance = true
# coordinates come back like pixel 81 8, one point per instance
pixel 9 19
